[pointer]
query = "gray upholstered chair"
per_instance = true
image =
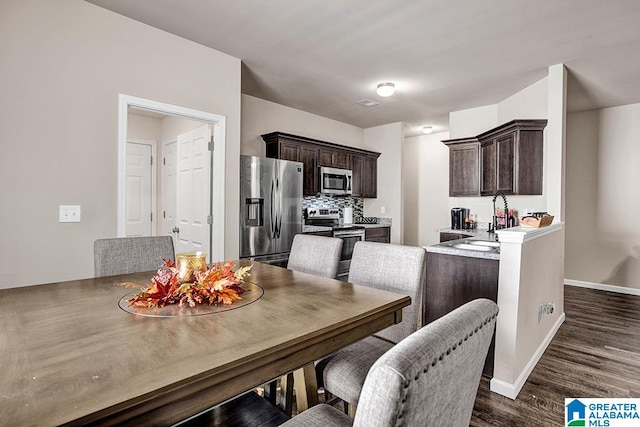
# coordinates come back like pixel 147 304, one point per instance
pixel 430 378
pixel 130 254
pixel 315 255
pixel 395 268
pixel 311 254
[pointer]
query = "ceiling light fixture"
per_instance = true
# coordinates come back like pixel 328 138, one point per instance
pixel 386 89
pixel 427 129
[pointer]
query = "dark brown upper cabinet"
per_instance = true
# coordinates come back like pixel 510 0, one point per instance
pixel 334 158
pixel 509 160
pixel 365 175
pixel 464 167
pixel 314 153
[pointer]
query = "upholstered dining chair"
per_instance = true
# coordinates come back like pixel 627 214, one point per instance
pixel 395 268
pixel 430 378
pixel 130 254
pixel 317 255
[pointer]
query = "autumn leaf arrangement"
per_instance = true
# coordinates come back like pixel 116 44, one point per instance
pixel 219 284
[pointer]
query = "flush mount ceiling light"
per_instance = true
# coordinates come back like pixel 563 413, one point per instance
pixel 427 129
pixel 386 89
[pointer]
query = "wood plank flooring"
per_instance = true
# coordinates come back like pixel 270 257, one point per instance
pixel 596 353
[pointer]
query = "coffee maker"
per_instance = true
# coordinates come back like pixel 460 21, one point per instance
pixel 458 218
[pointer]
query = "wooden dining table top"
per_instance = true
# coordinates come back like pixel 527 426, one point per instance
pixel 71 355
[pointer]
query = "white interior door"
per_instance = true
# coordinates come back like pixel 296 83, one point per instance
pixel 139 197
pixel 169 190
pixel 193 197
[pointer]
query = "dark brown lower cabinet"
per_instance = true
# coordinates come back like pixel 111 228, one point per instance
pixel 378 234
pixel 455 280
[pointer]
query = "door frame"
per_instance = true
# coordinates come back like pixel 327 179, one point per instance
pixel 218 131
pixel 154 185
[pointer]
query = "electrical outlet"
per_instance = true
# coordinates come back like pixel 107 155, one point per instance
pixel 383 210
pixel 548 308
pixel 69 213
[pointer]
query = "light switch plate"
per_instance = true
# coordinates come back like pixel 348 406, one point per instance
pixel 69 213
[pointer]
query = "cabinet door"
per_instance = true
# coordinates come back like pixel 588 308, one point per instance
pixel 306 154
pixel 289 151
pixel 369 181
pixel 357 164
pixel 325 157
pixel 342 159
pixel 488 164
pixel 378 234
pixel 308 157
pixel 464 176
pixel 505 173
pixel 334 158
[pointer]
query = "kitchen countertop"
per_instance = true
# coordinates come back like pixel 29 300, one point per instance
pixel 319 228
pixel 447 248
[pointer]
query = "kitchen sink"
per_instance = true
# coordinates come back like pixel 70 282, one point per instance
pixel 474 247
pixel 483 243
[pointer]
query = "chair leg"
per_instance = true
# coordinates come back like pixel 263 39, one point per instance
pixel 286 384
pixel 306 387
pixel 352 410
pixel 270 391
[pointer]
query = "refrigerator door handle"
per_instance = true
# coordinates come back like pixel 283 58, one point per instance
pixel 276 208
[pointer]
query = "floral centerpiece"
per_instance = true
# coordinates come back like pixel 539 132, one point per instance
pixel 218 284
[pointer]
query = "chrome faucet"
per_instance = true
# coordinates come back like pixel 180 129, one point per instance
pixel 506 212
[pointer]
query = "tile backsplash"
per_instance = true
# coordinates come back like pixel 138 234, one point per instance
pixel 327 201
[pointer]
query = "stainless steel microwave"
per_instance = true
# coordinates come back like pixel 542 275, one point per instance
pixel 335 181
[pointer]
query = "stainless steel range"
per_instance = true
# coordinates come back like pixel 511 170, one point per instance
pixel 349 233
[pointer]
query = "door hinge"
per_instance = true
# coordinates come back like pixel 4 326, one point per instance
pixel 151 216
pixel 164 161
pixel 151 160
pixel 210 145
pixel 209 219
pixel 164 214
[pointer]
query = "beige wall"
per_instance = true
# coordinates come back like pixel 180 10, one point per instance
pixel 63 65
pixel 426 166
pixel 260 117
pixel 388 140
pixel 142 127
pixel 603 202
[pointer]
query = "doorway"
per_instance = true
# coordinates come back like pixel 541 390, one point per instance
pixel 140 188
pixel 207 177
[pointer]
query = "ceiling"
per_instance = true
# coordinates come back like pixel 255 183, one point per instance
pixel 443 56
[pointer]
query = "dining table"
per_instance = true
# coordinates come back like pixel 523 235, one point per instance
pixel 73 353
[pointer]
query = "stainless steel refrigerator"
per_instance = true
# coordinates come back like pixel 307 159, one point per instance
pixel 270 208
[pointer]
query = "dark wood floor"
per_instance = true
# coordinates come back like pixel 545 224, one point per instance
pixel 596 353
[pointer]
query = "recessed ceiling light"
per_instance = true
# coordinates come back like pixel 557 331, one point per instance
pixel 427 129
pixel 386 89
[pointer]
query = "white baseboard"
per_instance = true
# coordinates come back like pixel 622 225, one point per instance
pixel 511 390
pixel 603 287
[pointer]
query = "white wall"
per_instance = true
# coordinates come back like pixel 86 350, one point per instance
pixel 531 274
pixel 388 140
pixel 260 117
pixel 63 65
pixel 603 202
pixel 426 165
pixel 474 121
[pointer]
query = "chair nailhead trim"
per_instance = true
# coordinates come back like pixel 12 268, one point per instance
pixel 435 361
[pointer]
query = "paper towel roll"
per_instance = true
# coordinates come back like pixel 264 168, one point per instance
pixel 347 214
